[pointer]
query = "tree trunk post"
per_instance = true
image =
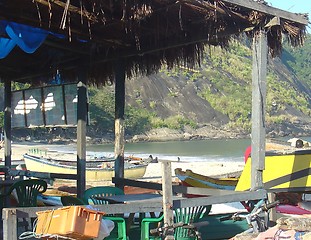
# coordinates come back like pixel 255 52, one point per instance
pixel 119 120
pixel 7 123
pixel 259 75
pixel 167 195
pixel 81 133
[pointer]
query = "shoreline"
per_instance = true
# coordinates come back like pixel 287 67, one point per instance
pixel 153 171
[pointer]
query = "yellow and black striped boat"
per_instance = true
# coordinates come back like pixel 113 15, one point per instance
pixel 288 170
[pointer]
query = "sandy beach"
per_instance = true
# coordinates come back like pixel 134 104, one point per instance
pixel 153 172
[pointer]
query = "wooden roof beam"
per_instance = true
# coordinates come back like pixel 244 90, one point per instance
pixel 260 7
pixel 89 16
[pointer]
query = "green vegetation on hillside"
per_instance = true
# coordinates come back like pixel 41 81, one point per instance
pixel 298 60
pixel 228 73
pixel 230 76
pixel 137 120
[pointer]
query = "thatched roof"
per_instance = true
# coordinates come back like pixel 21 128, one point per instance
pixel 144 34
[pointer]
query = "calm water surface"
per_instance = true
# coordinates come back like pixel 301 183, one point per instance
pixel 198 150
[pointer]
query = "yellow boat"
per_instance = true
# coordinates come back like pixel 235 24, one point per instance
pixel 192 179
pixel 95 170
pixel 284 170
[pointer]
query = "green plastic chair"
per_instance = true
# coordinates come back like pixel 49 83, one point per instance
pixel 185 215
pixel 117 233
pixel 26 191
pixel 90 194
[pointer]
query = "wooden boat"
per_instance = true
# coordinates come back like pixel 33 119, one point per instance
pixel 95 170
pixel 192 179
pixel 284 170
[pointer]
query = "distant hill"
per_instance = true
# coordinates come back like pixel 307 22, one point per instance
pixel 219 92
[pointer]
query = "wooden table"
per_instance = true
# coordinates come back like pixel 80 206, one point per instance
pixel 132 198
pixel 138 198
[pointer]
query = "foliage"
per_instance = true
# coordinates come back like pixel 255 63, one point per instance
pixel 229 88
pixel 102 108
pixel 177 122
pixel 19 86
pixel 281 95
pixel 299 60
pixel 1 119
pixel 137 120
pixel 102 112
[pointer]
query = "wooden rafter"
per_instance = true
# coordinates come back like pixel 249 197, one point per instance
pixel 260 7
pixel 89 16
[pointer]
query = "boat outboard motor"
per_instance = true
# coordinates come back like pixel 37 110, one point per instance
pixel 299 143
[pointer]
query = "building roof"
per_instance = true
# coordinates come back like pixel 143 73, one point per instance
pixel 93 35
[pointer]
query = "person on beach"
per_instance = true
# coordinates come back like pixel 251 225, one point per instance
pixel 153 160
pixel 247 153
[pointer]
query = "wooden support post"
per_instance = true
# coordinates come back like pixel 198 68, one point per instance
pixel 167 195
pixel 7 123
pixel 259 75
pixel 272 212
pixel 9 224
pixel 81 135
pixel 119 120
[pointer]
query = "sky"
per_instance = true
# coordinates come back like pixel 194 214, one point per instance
pixel 295 6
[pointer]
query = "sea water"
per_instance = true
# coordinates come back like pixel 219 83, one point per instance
pixel 214 150
pixel 185 151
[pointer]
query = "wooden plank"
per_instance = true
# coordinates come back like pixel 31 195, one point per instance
pixel 175 188
pixel 43 106
pixel 200 191
pixel 119 119
pixel 81 134
pixel 167 194
pixel 42 175
pixel 119 149
pixel 251 4
pixel 25 110
pixel 259 75
pixel 233 197
pixel 133 207
pixel 64 104
pixel 136 183
pixel 272 213
pixel 9 224
pixel 152 206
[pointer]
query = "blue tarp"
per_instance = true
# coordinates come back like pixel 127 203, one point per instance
pixel 26 37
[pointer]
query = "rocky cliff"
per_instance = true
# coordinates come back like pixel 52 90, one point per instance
pixel 179 94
